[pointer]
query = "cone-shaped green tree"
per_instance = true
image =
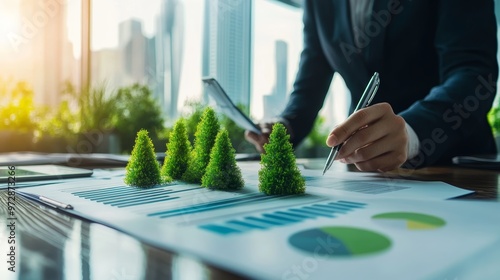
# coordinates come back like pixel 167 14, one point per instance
pixel 177 154
pixel 206 131
pixel 222 172
pixel 143 170
pixel 279 173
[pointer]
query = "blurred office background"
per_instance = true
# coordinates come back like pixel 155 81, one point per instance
pixel 55 51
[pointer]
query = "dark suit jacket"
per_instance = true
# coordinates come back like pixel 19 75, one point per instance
pixel 437 64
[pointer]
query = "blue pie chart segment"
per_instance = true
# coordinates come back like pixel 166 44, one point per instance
pixel 339 242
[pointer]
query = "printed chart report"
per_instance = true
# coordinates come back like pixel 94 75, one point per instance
pixel 323 232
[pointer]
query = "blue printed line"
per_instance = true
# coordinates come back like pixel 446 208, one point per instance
pixel 147 202
pixel 284 217
pixel 135 199
pixel 210 206
pixel 351 204
pixel 220 229
pixel 125 196
pixel 112 189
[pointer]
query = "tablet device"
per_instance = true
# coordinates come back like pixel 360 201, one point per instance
pixel 40 172
pixel 227 107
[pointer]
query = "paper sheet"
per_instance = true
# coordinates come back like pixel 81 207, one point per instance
pixel 292 237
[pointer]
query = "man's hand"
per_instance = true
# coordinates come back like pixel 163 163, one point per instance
pixel 375 139
pixel 259 140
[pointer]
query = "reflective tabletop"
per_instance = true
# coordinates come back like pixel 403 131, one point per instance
pixel 49 244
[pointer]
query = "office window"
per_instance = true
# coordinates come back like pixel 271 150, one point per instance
pixel 276 52
pixel 251 46
pixel 39 46
pixel 39 54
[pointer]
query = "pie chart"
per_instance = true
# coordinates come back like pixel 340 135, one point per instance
pixel 341 242
pixel 409 220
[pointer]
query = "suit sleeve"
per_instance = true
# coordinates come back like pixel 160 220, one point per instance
pixel 312 81
pixel 466 45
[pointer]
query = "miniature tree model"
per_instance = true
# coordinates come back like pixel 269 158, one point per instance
pixel 143 169
pixel 177 154
pixel 222 172
pixel 206 131
pixel 279 173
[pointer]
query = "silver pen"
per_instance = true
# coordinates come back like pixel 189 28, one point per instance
pixel 55 203
pixel 365 101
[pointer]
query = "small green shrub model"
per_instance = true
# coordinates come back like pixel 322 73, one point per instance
pixel 222 172
pixel 206 131
pixel 177 154
pixel 279 174
pixel 143 169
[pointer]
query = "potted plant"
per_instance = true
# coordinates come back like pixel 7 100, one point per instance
pixel 96 118
pixel 17 113
pixel 58 129
pixel 136 109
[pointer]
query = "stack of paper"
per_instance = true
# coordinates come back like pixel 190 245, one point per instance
pixel 348 225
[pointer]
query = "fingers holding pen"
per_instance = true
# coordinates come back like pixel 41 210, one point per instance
pixel 374 139
pixel 355 122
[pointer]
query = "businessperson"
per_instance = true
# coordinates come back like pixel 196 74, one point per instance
pixel 438 70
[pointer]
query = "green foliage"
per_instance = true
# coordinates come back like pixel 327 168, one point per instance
pixel 318 134
pixel 136 109
pixel 193 117
pixel 97 107
pixel 494 120
pixel 314 145
pixel 222 172
pixel 17 110
pixel 177 154
pixel 236 133
pixel 63 122
pixel 279 174
pixel 205 135
pixel 143 169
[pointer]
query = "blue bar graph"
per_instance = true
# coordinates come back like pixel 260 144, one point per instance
pixel 125 196
pixel 283 217
pixel 219 204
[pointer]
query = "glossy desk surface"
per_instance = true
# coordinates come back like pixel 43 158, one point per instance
pixel 53 245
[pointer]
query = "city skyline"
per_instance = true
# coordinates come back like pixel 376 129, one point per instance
pixel 270 22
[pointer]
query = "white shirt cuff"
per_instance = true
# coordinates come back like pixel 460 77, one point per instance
pixel 413 142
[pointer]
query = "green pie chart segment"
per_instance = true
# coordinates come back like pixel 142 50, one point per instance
pixel 410 220
pixel 339 241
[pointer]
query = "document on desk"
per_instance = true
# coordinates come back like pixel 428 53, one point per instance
pixel 365 184
pixel 321 233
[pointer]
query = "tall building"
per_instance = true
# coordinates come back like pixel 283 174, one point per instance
pixel 107 67
pixel 169 51
pixel 227 42
pixel 281 57
pixel 275 102
pixel 133 46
